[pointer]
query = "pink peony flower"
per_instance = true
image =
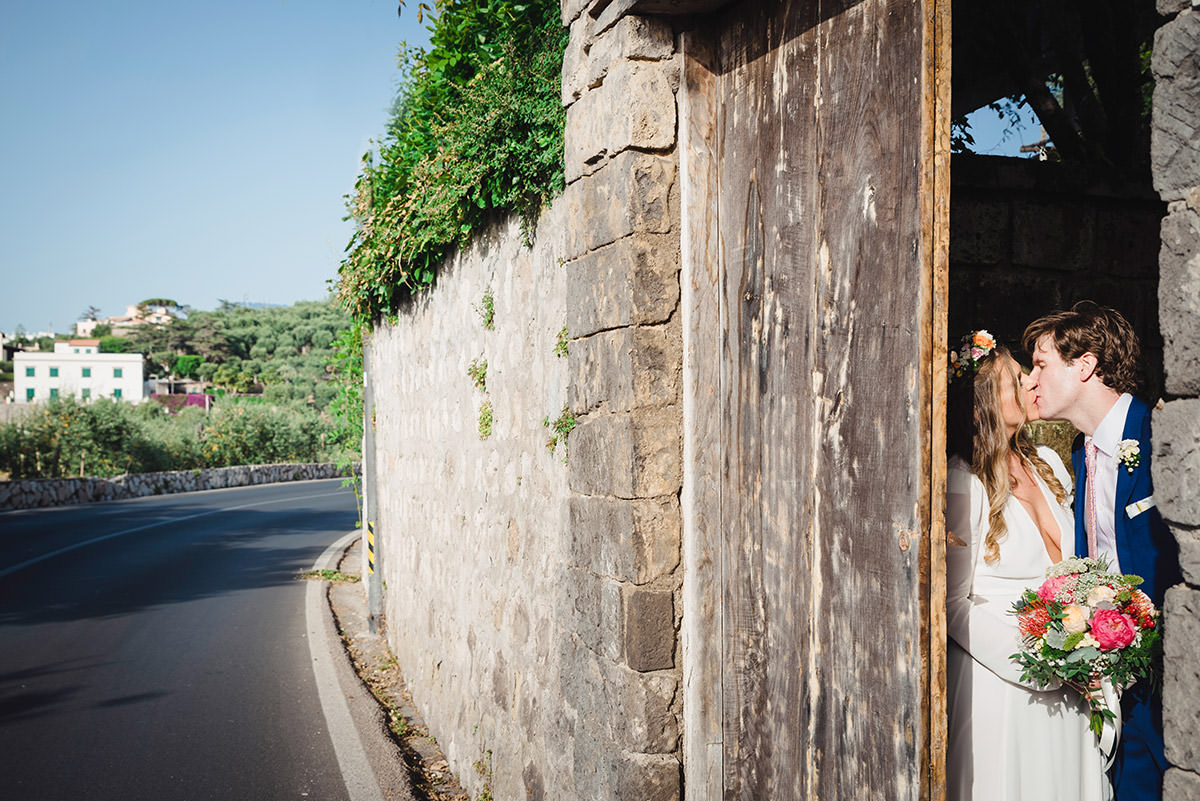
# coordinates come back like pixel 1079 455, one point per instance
pixel 1112 629
pixel 1057 588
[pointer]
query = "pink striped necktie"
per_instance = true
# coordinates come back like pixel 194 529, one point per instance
pixel 1089 458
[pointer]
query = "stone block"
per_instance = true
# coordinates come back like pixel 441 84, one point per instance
pixel 1180 785
pixel 585 140
pixel 632 193
pixel 611 12
pixel 621 706
pixel 632 38
pixel 633 281
pixel 1175 127
pixel 1181 677
pixel 571 9
pixel 628 454
pixel 648 777
pixel 575 60
pixel 1188 540
pixel 1169 8
pixel 1059 236
pixel 633 541
pixel 626 369
pixel 1128 239
pixel 1179 300
pixel 979 231
pixel 591 607
pixel 1176 461
pixel 649 629
pixel 634 108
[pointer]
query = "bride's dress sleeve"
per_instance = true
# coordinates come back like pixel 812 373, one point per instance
pixel 983 628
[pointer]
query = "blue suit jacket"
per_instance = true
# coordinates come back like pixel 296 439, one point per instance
pixel 1145 547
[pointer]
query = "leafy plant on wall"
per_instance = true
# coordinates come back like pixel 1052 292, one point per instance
pixel 476 128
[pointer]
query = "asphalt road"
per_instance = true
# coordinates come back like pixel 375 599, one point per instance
pixel 156 648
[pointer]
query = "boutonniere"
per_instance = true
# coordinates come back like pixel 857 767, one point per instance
pixel 1129 453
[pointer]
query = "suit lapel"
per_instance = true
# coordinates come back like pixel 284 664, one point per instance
pixel 1080 496
pixel 1127 482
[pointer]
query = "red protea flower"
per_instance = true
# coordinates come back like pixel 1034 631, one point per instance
pixel 1139 604
pixel 1033 622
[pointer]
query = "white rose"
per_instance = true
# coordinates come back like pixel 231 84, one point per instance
pixel 1075 619
pixel 1101 594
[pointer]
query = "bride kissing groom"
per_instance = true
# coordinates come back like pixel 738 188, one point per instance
pixel 1009 512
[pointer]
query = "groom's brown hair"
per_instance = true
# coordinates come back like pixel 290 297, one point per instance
pixel 1099 330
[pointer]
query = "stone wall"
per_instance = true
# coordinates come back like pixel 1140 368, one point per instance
pixel 620 80
pixel 1028 237
pixel 1175 160
pixel 33 493
pixel 472 531
pixel 533 594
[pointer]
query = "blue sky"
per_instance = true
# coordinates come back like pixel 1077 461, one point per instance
pixel 193 151
pixel 997 137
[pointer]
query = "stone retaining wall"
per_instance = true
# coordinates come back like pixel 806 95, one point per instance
pixel 34 493
pixel 533 594
pixel 1175 161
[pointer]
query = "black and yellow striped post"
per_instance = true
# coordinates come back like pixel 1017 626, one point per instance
pixel 371 547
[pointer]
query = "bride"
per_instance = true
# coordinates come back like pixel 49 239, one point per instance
pixel 1008 517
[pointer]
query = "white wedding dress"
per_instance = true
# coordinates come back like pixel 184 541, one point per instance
pixel 1007 740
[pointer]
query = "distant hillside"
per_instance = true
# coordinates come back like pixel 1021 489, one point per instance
pixel 280 352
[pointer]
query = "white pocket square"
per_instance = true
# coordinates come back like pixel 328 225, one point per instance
pixel 1137 507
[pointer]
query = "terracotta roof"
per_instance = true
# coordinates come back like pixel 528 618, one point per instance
pixel 93 342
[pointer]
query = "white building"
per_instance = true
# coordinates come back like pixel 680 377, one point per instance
pixel 135 316
pixel 77 368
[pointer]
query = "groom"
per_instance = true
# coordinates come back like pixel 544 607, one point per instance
pixel 1086 364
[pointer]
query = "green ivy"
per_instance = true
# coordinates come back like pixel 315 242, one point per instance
pixel 476 129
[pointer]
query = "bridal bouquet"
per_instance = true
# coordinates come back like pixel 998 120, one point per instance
pixel 1085 623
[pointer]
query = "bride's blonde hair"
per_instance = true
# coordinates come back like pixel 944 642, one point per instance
pixel 976 432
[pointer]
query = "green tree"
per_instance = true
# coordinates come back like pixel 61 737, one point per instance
pixel 187 366
pixel 112 344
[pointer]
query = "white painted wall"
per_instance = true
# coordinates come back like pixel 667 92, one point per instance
pixel 78 370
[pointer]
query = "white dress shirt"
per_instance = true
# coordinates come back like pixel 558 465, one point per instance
pixel 1108 434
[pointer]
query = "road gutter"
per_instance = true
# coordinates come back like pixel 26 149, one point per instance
pixel 357 773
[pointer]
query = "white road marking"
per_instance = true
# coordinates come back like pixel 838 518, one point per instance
pixel 30 562
pixel 359 777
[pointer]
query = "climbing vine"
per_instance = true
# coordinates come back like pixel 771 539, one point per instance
pixel 476 129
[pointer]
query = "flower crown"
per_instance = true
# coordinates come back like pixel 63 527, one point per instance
pixel 975 346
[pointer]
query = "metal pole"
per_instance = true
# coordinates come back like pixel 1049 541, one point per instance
pixel 370 500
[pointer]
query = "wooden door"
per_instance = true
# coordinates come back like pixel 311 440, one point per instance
pixel 814 260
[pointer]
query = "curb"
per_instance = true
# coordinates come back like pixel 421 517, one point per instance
pixel 372 765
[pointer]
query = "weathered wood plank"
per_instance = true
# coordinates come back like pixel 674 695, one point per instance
pixel 768 272
pixel 871 333
pixel 700 501
pixel 824 400
pixel 935 217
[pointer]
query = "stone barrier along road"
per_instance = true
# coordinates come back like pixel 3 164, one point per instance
pixel 33 493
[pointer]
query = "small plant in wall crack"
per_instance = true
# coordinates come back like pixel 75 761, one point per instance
pixel 477 370
pixel 483 766
pixel 487 310
pixel 559 429
pixel 485 419
pixel 560 344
